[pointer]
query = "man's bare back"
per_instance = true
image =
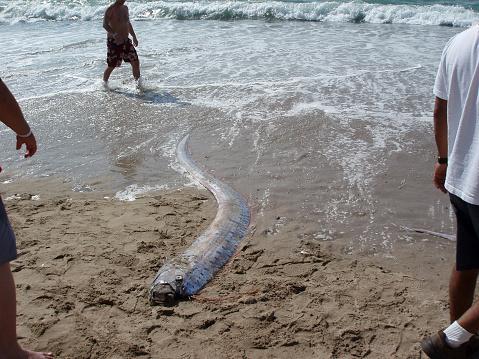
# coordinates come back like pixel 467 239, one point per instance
pixel 117 18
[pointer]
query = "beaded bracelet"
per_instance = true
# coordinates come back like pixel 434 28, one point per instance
pixel 25 136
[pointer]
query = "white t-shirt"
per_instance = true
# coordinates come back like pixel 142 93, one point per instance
pixel 457 82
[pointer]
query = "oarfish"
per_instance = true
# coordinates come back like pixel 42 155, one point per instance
pixel 187 273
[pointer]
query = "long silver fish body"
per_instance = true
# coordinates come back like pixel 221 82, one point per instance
pixel 186 274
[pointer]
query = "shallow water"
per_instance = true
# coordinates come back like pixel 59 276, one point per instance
pixel 304 118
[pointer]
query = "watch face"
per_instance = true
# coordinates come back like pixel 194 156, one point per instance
pixel 442 160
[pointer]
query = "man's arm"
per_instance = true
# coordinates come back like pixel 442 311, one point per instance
pixel 130 29
pixel 440 134
pixel 12 116
pixel 106 20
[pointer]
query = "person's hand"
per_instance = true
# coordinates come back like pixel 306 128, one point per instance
pixel 135 42
pixel 440 176
pixel 30 143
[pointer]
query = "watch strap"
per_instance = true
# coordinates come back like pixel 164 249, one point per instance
pixel 442 160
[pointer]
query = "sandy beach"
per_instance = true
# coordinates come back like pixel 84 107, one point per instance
pixel 86 263
pixel 325 128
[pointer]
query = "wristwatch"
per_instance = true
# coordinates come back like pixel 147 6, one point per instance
pixel 442 160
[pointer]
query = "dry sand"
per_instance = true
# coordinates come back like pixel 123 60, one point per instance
pixel 86 263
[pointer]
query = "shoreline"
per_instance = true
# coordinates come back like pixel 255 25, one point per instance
pixel 332 149
pixel 83 298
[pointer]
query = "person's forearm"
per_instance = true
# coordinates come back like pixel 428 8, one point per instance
pixel 130 29
pixel 106 25
pixel 440 126
pixel 10 112
pixel 107 28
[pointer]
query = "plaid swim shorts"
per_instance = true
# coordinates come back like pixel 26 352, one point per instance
pixel 120 52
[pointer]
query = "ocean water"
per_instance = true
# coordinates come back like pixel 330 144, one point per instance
pixel 300 105
pixel 426 12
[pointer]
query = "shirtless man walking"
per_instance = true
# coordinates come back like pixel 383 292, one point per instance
pixel 120 47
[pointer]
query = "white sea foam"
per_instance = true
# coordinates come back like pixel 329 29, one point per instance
pixel 134 191
pixel 331 11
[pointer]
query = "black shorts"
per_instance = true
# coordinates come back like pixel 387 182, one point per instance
pixel 467 247
pixel 8 248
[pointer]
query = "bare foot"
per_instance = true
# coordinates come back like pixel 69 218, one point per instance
pixel 25 354
pixel 36 355
pixel 139 85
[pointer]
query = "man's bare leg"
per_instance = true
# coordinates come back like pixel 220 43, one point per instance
pixel 9 348
pixel 461 296
pixel 107 73
pixel 135 66
pixel 461 292
pixel 470 319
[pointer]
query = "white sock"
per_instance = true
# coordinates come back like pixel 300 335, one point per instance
pixel 456 335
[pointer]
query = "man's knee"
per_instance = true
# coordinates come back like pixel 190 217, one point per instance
pixel 4 270
pixel 468 274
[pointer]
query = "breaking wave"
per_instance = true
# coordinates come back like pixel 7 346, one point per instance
pixel 13 11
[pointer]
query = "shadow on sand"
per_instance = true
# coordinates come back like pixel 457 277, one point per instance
pixel 149 96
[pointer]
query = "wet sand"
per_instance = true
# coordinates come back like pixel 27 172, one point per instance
pixel 333 150
pixel 86 263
